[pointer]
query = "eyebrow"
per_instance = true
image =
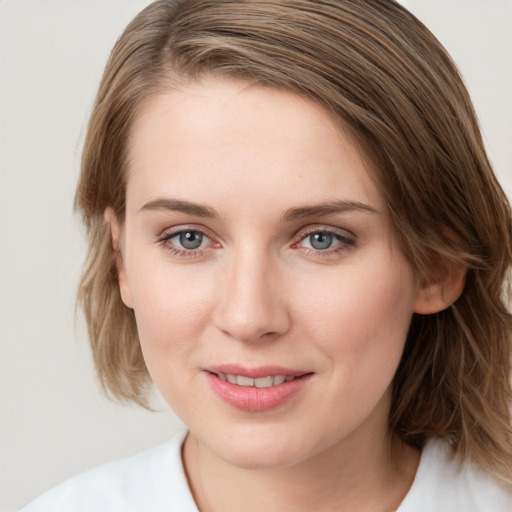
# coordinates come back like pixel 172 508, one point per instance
pixel 329 208
pixel 291 214
pixel 180 206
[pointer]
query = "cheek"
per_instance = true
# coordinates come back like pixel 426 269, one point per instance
pixel 360 324
pixel 363 312
pixel 171 307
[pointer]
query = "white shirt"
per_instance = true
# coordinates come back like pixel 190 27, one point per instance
pixel 155 481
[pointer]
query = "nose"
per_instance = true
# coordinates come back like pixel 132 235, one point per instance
pixel 252 304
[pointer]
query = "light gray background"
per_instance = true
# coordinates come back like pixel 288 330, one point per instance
pixel 54 422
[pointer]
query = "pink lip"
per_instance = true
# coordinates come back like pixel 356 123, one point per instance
pixel 255 373
pixel 252 399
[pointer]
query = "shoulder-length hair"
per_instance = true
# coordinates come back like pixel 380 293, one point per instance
pixel 392 85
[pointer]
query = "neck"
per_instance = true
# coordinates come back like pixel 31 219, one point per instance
pixel 355 474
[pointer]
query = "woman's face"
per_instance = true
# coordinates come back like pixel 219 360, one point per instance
pixel 257 250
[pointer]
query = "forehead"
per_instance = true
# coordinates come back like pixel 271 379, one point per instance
pixel 220 135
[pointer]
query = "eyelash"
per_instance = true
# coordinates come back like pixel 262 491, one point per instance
pixel 167 236
pixel 345 242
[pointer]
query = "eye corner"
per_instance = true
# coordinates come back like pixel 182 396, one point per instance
pixel 197 246
pixel 336 242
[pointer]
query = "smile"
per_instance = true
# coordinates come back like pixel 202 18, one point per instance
pixel 261 382
pixel 257 389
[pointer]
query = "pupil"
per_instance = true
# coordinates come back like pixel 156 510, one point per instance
pixel 191 239
pixel 321 241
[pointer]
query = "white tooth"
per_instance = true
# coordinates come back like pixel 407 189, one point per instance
pixel 288 379
pixel 221 376
pixel 278 379
pixel 231 378
pixel 241 380
pixel 264 382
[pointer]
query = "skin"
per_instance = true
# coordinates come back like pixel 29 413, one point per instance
pixel 257 292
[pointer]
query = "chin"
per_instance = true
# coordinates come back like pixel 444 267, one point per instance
pixel 261 450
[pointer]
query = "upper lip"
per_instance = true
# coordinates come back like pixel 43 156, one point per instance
pixel 255 372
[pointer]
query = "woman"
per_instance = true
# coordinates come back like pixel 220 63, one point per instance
pixel 295 233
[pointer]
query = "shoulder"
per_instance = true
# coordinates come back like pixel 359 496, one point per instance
pixel 152 480
pixel 443 484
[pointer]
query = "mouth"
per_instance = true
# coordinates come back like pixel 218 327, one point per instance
pixel 256 389
pixel 260 382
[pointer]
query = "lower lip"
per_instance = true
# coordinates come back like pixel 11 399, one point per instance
pixel 253 399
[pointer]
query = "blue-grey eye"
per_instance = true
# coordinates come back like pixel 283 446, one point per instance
pixel 321 241
pixel 190 239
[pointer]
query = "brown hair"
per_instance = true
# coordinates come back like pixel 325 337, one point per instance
pixel 386 78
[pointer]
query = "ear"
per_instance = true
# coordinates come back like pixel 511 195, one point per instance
pixel 116 234
pixel 441 292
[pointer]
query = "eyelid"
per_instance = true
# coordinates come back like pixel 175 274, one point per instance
pixel 181 253
pixel 323 228
pixel 176 230
pixel 346 240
